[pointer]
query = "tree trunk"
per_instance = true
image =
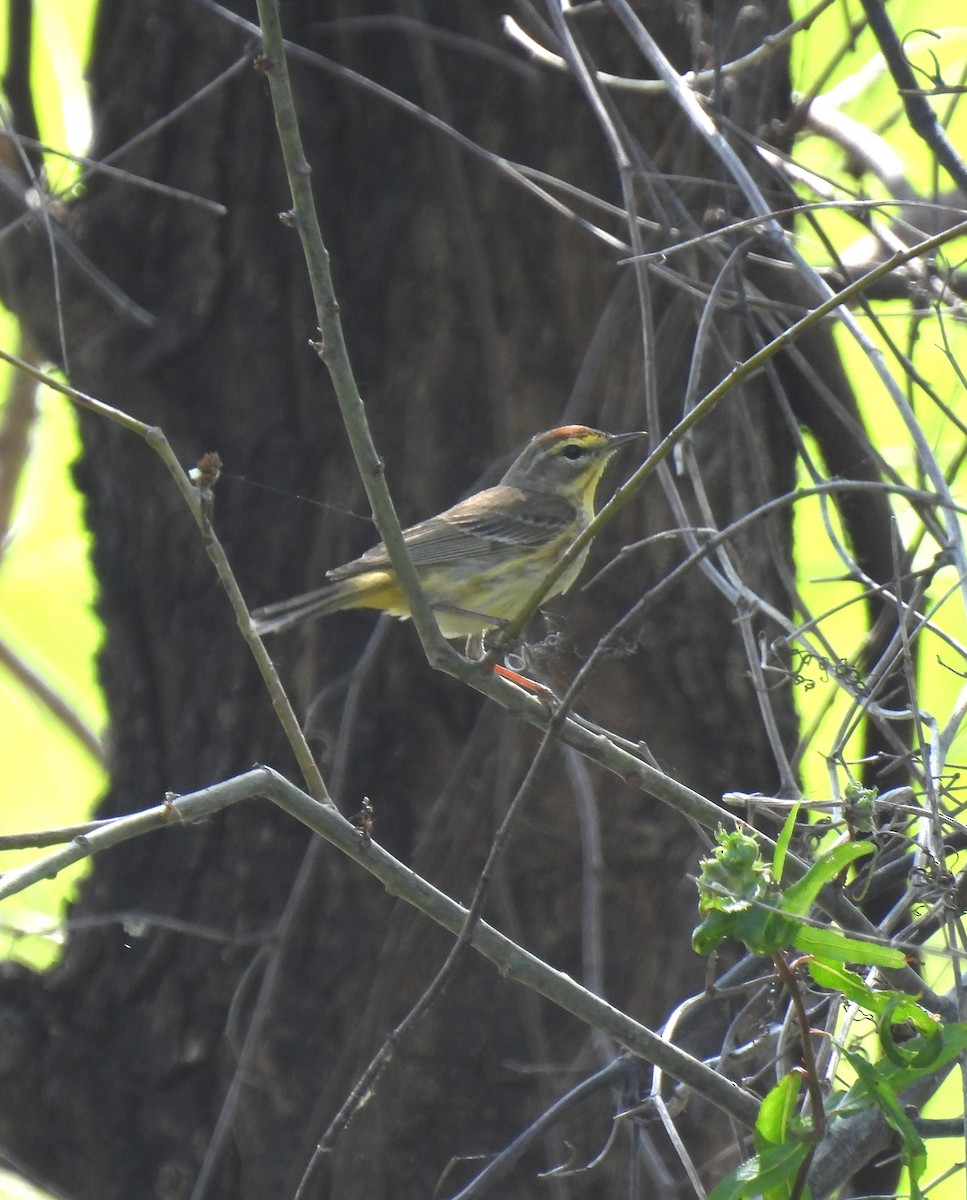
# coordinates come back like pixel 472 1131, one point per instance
pixel 230 981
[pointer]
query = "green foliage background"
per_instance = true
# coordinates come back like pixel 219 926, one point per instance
pixel 935 352
pixel 820 54
pixel 46 583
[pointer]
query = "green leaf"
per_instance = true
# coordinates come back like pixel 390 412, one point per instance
pixel 764 931
pixel 910 1054
pixel 777 1110
pixel 883 1093
pixel 839 979
pixel 799 897
pixel 857 991
pixel 907 1009
pixel 713 930
pixel 953 1042
pixel 770 1173
pixel 921 1053
pixel 831 944
pixel 761 930
pixel 782 843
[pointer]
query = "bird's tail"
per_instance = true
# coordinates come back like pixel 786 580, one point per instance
pixel 319 603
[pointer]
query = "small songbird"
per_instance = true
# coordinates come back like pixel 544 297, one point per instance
pixel 480 561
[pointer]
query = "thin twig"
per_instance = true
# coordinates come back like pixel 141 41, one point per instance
pixel 922 118
pixel 332 345
pixel 35 685
pixel 199 501
pixel 17 422
pixel 695 79
pixel 738 374
pixel 512 960
pixel 717 143
pixel 97 167
pixel 514 172
pixel 791 985
pixel 363 1086
pixel 503 1163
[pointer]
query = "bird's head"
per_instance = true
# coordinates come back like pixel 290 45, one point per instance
pixel 566 462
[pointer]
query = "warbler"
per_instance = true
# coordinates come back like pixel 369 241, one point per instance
pixel 480 560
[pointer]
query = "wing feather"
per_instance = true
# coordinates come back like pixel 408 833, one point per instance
pixel 501 516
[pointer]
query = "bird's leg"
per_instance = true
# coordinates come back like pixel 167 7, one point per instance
pixel 507 672
pixel 475 649
pixel 541 691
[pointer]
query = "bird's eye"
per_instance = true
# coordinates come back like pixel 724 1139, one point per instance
pixel 573 452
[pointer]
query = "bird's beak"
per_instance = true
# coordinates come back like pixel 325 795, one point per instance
pixel 616 440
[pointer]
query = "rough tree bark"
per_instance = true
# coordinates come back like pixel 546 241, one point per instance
pixel 470 309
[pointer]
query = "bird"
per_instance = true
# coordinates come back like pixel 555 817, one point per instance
pixel 481 560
